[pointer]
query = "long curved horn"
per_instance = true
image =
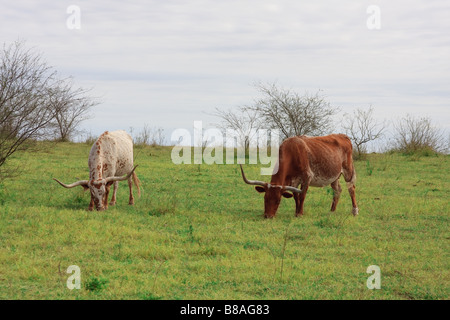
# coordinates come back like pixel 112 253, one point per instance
pixel 293 189
pixel 252 182
pixel 75 184
pixel 113 179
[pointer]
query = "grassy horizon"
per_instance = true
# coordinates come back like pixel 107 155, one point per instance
pixel 197 232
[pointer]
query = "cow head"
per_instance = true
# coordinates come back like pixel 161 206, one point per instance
pixel 272 194
pixel 99 191
pixel 98 188
pixel 272 198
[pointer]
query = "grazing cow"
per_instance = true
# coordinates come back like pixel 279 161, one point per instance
pixel 111 157
pixel 308 161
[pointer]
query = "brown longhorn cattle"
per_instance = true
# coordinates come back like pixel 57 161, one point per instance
pixel 308 161
pixel 110 158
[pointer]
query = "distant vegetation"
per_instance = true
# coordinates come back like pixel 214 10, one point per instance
pixel 418 136
pixel 38 104
pixel 311 114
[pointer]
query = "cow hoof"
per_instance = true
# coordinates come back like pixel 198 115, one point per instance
pixel 112 203
pixel 355 211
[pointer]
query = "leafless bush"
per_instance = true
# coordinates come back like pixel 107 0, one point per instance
pixel 72 106
pixel 362 128
pixel 24 85
pixel 243 121
pixel 280 109
pixel 149 136
pixel 88 138
pixel 414 135
pixel 292 113
pixel 32 97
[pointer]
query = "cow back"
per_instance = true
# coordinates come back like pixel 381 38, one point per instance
pixel 111 155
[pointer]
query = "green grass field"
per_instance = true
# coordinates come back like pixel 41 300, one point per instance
pixel 197 232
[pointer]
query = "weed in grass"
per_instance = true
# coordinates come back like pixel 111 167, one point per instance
pixel 330 191
pixel 157 212
pixel 120 256
pixel 148 296
pixel 96 284
pixel 187 233
pixel 369 168
pixel 79 200
pixel 118 247
pixel 158 268
pixel 280 254
pixel 191 233
pixel 166 204
pixel 2 195
pixel 283 252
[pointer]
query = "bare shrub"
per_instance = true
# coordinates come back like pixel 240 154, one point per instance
pixel 362 128
pixel 88 138
pixel 414 135
pixel 72 106
pixel 294 114
pixel 25 80
pixel 243 121
pixel 34 101
pixel 149 136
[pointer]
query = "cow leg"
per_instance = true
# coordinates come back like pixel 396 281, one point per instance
pixel 113 198
pixel 130 185
pixel 350 177
pixel 300 199
pixel 297 203
pixel 351 190
pixel 91 204
pixel 106 195
pixel 336 194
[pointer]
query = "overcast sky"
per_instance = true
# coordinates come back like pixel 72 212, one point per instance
pixel 168 63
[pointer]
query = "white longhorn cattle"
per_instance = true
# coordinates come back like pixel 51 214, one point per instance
pixel 110 158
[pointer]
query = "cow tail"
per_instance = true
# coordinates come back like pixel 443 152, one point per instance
pixel 137 182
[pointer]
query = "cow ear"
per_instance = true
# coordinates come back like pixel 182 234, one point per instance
pixel 85 187
pixel 287 194
pixel 260 189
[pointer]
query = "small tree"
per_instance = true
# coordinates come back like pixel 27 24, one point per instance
pixel 244 121
pixel 362 128
pixel 150 136
pixel 418 134
pixel 25 80
pixel 292 113
pixel 33 100
pixel 71 105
